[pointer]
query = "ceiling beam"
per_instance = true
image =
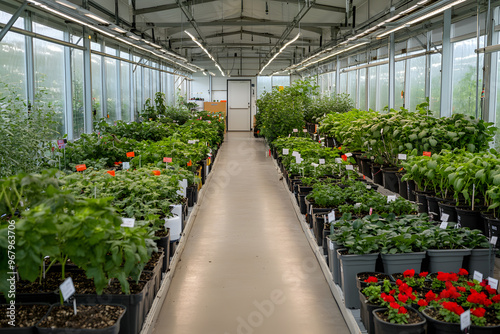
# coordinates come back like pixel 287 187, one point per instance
pixel 243 44
pixel 232 33
pixel 171 6
pixel 236 23
pixel 336 9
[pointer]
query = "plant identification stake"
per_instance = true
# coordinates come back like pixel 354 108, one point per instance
pixel 286 151
pixel 478 276
pixel 445 217
pixel 331 216
pixel 493 283
pixel 349 167
pixel 304 130
pixel 130 154
pixel 443 225
pixel 295 130
pixel 128 222
pixel 321 161
pixel 473 192
pixel 493 240
pixel 126 165
pixel 391 198
pixel 67 288
pixel 166 161
pixel 465 321
pixel 401 156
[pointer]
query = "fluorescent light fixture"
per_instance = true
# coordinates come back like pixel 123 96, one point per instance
pixel 280 51
pixel 392 30
pixel 65 4
pixel 204 73
pixel 134 37
pixel 120 30
pixel 206 51
pixel 211 73
pixel 331 55
pixel 97 18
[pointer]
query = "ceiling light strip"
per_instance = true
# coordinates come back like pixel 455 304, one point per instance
pixel 280 51
pixel 206 51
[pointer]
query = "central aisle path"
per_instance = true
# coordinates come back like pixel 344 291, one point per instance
pixel 247 266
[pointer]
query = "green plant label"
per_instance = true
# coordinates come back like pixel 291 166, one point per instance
pixel 465 320
pixel 67 288
pixel 128 222
pixel 321 161
pixel 493 283
pixel 286 151
pixel 478 276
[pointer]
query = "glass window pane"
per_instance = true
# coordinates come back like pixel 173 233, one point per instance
pixel 147 84
pixel 383 87
pixel 281 80
pixel 362 89
pixel 435 80
pixel 352 77
pixel 263 85
pixel 77 92
pixel 333 82
pixel 111 88
pixel 49 80
pixel 343 82
pixel 125 90
pixel 138 89
pixel 417 81
pixel 5 17
pixel 399 83
pixel 47 31
pixel 464 76
pixel 12 66
pixel 96 87
pixel 372 73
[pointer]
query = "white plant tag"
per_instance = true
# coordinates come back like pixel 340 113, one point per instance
pixel 445 217
pixel 286 151
pixel 349 167
pixel 391 198
pixel 493 283
pixel 401 156
pixel 331 217
pixel 304 130
pixel 125 165
pixel 330 244
pixel 67 288
pixel 295 153
pixel 338 160
pixel 321 161
pixel 348 155
pixel 295 130
pixel 314 165
pixel 128 222
pixel 465 320
pixel 368 187
pixel 298 159
pixel 478 276
pixel 493 240
pixel 443 225
pixel 357 205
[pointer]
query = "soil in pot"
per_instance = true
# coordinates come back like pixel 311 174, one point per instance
pixel 416 323
pixel 26 315
pixel 87 317
pixel 361 277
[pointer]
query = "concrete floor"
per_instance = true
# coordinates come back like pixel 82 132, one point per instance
pixel 247 267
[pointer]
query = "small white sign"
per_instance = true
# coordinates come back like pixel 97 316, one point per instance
pixel 349 167
pixel 126 165
pixel 445 217
pixel 295 130
pixel 391 198
pixel 331 218
pixel 443 225
pixel 295 153
pixel 368 187
pixel 304 130
pixel 314 165
pixel 348 155
pixel 338 160
pixel 128 222
pixel 465 320
pixel 493 240
pixel 191 141
pixel 382 131
pixel 321 161
pixel 478 276
pixel 298 159
pixel 330 244
pixel 67 288
pixel 286 151
pixel 310 209
pixel 493 283
pixel 402 156
pixel 357 205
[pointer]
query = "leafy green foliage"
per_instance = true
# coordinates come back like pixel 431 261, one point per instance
pixel 153 131
pixel 324 105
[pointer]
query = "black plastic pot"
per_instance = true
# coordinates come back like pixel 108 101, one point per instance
pixel 302 204
pixel 366 314
pixel 410 187
pixel 433 207
pixel 467 217
pixel 421 198
pixel 377 175
pixel 17 329
pixel 384 327
pixel 115 329
pixel 448 208
pixel 326 233
pixel 494 229
pixel 403 186
pixel 390 180
pixel 164 242
pixel 318 224
pixel 190 195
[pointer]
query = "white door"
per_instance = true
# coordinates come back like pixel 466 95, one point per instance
pixel 238 105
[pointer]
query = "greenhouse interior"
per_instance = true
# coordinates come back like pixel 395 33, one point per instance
pixel 249 166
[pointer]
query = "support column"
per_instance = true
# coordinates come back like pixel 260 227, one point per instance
pixel 337 76
pixel 68 76
pixel 30 68
pixel 446 68
pixel 391 70
pixel 87 82
pixel 490 74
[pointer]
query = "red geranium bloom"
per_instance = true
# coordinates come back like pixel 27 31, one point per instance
pixel 470 284
pixel 392 292
pixel 483 283
pixel 453 307
pixel 478 312
pixel 409 273
pixel 429 296
pixel 423 274
pixel 453 277
pixel 490 290
pixel 402 298
pixel 442 276
pixel 371 279
pixel 402 310
pixel 422 302
pixel 463 272
pixel 495 299
pixel 487 303
pixel 404 288
pixel 388 299
pixel 412 297
pixel 399 282
pixel 461 288
pixel 394 305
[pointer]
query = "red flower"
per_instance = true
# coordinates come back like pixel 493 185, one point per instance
pixel 402 310
pixel 388 299
pixel 344 157
pixel 483 283
pixel 430 296
pixel 423 274
pixel 478 298
pixel 495 299
pixel 409 273
pixel 470 283
pixel 478 312
pixel 392 292
pixel 453 307
pixel 371 279
pixel 402 298
pixel 394 305
pixel 399 282
pixel 461 288
pixel 490 290
pixel 422 302
pixel 412 297
pixel 404 288
pixel 463 272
